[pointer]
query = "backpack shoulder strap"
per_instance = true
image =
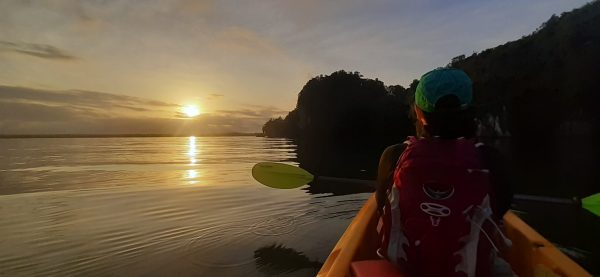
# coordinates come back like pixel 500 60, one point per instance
pixel 385 172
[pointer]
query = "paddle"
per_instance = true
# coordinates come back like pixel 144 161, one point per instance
pixel 285 176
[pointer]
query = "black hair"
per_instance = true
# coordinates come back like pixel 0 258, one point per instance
pixel 448 120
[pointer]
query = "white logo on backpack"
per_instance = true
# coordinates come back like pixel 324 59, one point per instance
pixel 435 211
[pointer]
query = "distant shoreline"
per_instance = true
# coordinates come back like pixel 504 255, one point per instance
pixel 128 135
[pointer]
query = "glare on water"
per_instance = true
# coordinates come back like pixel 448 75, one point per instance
pixel 155 206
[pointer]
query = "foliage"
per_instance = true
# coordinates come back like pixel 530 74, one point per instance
pixel 344 106
pixel 276 127
pixel 344 112
pixel 544 84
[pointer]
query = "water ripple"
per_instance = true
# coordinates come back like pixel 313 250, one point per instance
pixel 129 207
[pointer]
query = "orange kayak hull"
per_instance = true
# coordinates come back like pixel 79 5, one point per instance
pixel 530 255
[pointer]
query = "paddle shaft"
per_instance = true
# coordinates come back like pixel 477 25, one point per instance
pixel 518 197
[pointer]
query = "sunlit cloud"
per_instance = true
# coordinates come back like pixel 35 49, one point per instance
pixel 36 50
pixel 242 41
pixel 90 102
pixel 36 111
pixel 262 112
pixel 214 96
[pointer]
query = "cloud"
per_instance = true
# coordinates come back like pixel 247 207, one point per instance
pixel 253 51
pixel 43 51
pixel 214 95
pixel 243 41
pixel 100 101
pixel 11 111
pixel 255 111
pixel 37 111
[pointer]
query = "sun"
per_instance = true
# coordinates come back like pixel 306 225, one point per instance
pixel 190 110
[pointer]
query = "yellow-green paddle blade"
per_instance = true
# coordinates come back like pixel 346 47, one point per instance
pixel 592 203
pixel 280 176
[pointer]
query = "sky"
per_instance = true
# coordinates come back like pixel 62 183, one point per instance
pixel 116 67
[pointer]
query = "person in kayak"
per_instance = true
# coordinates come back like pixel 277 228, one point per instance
pixel 441 194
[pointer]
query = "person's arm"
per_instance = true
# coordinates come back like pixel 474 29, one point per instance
pixel 385 172
pixel 501 180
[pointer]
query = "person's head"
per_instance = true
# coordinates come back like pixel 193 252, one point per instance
pixel 443 104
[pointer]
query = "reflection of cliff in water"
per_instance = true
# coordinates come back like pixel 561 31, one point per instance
pixel 355 161
pixel 337 187
pixel 562 166
pixel 276 259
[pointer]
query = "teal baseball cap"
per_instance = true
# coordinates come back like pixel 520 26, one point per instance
pixel 440 82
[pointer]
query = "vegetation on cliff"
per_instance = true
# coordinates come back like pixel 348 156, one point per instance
pixel 535 90
pixel 544 84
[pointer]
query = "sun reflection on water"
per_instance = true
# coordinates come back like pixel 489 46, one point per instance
pixel 192 149
pixel 191 175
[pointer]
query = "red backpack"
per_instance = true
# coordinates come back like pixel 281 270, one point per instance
pixel 439 206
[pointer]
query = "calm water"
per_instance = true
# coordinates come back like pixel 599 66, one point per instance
pixel 189 207
pixel 156 206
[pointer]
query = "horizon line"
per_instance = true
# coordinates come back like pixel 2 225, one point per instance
pixel 229 134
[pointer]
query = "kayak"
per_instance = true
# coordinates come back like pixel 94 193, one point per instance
pixel 530 255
